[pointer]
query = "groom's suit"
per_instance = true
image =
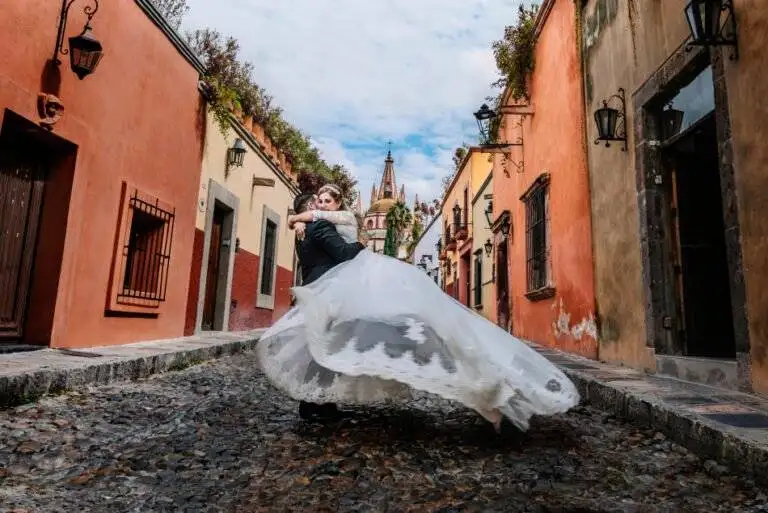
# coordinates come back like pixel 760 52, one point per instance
pixel 322 249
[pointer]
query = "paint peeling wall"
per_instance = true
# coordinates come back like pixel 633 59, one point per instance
pixel 553 144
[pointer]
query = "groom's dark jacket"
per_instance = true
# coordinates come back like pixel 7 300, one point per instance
pixel 322 249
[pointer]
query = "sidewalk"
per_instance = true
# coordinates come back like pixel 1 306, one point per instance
pixel 723 425
pixel 720 424
pixel 27 376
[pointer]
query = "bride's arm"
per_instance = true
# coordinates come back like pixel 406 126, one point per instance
pixel 304 217
pixel 335 217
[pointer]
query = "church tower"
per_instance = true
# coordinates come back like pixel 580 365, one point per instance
pixel 382 199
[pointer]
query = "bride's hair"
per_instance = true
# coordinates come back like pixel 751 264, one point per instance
pixel 334 191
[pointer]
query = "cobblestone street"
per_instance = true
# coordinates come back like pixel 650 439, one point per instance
pixel 217 437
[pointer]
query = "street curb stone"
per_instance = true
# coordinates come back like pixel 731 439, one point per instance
pixel 697 434
pixel 104 365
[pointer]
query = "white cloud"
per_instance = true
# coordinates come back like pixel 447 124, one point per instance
pixel 356 73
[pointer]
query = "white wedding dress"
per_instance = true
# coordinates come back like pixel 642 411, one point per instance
pixel 373 328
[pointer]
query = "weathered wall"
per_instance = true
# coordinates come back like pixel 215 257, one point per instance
pixel 624 44
pixel 137 118
pixel 610 61
pixel 748 103
pixel 554 144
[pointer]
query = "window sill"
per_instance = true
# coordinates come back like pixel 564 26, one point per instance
pixel 478 307
pixel 540 294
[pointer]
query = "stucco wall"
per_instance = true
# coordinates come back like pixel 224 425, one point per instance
pixel 624 43
pixel 553 141
pixel 246 312
pixel 610 60
pixel 137 118
pixel 481 232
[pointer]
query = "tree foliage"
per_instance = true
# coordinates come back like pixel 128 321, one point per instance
pixel 172 10
pixel 515 58
pixel 398 220
pixel 230 87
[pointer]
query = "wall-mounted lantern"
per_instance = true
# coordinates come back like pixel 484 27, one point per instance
pixel 611 120
pixel 85 51
pixel 488 246
pixel 489 212
pixel 505 228
pixel 236 154
pixel 485 117
pixel 457 215
pixel 706 26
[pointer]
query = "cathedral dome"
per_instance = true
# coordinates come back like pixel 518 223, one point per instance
pixel 382 206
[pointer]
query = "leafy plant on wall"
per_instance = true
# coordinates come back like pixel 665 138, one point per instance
pixel 515 60
pixel 231 89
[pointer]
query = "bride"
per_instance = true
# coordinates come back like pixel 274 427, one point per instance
pixel 374 328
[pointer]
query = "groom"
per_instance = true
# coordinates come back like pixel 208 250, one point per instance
pixel 321 249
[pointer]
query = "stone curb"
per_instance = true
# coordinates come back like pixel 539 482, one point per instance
pixel 700 436
pixel 26 387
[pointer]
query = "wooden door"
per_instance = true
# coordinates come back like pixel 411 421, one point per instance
pixel 212 277
pixel 21 194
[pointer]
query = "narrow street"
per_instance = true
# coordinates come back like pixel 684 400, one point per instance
pixel 217 437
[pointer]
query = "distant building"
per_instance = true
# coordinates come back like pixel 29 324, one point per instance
pixel 382 200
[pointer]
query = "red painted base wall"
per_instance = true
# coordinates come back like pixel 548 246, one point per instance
pixel 243 313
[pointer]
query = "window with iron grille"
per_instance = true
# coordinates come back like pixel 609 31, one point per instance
pixel 268 258
pixel 147 251
pixel 537 235
pixel 466 208
pixel 478 281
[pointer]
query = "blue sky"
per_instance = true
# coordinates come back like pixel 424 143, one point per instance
pixel 354 74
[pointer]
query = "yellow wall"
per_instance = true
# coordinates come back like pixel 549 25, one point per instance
pixel 481 232
pixel 252 199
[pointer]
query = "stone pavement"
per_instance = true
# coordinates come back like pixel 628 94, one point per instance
pixel 26 376
pixel 217 437
pixel 725 425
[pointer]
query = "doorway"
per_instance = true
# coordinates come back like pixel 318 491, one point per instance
pixel 502 285
pixel 701 278
pixel 22 181
pixel 465 282
pixel 215 302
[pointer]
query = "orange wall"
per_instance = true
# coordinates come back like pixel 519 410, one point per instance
pixel 554 144
pixel 135 119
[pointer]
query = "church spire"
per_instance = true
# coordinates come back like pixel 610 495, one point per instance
pixel 374 196
pixel 388 186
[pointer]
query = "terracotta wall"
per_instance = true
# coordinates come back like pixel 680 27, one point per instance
pixel 136 119
pixel 554 145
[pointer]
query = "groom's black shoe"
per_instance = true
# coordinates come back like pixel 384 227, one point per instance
pixel 309 411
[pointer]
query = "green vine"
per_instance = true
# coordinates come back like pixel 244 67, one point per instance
pixel 515 60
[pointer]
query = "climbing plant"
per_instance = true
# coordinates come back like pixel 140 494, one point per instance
pixel 515 61
pixel 230 87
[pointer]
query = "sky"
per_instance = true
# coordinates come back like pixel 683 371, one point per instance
pixel 355 74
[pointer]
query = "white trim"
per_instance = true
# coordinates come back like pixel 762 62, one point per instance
pixel 264 300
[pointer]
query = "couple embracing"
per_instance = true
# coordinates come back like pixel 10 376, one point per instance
pixel 368 328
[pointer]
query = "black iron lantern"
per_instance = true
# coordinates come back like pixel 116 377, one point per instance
pixel 705 21
pixel 488 246
pixel 489 213
pixel 236 153
pixel 85 51
pixel 457 215
pixel 611 121
pixel 671 122
pixel 505 228
pixel 485 117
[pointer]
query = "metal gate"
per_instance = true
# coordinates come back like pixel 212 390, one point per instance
pixel 21 195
